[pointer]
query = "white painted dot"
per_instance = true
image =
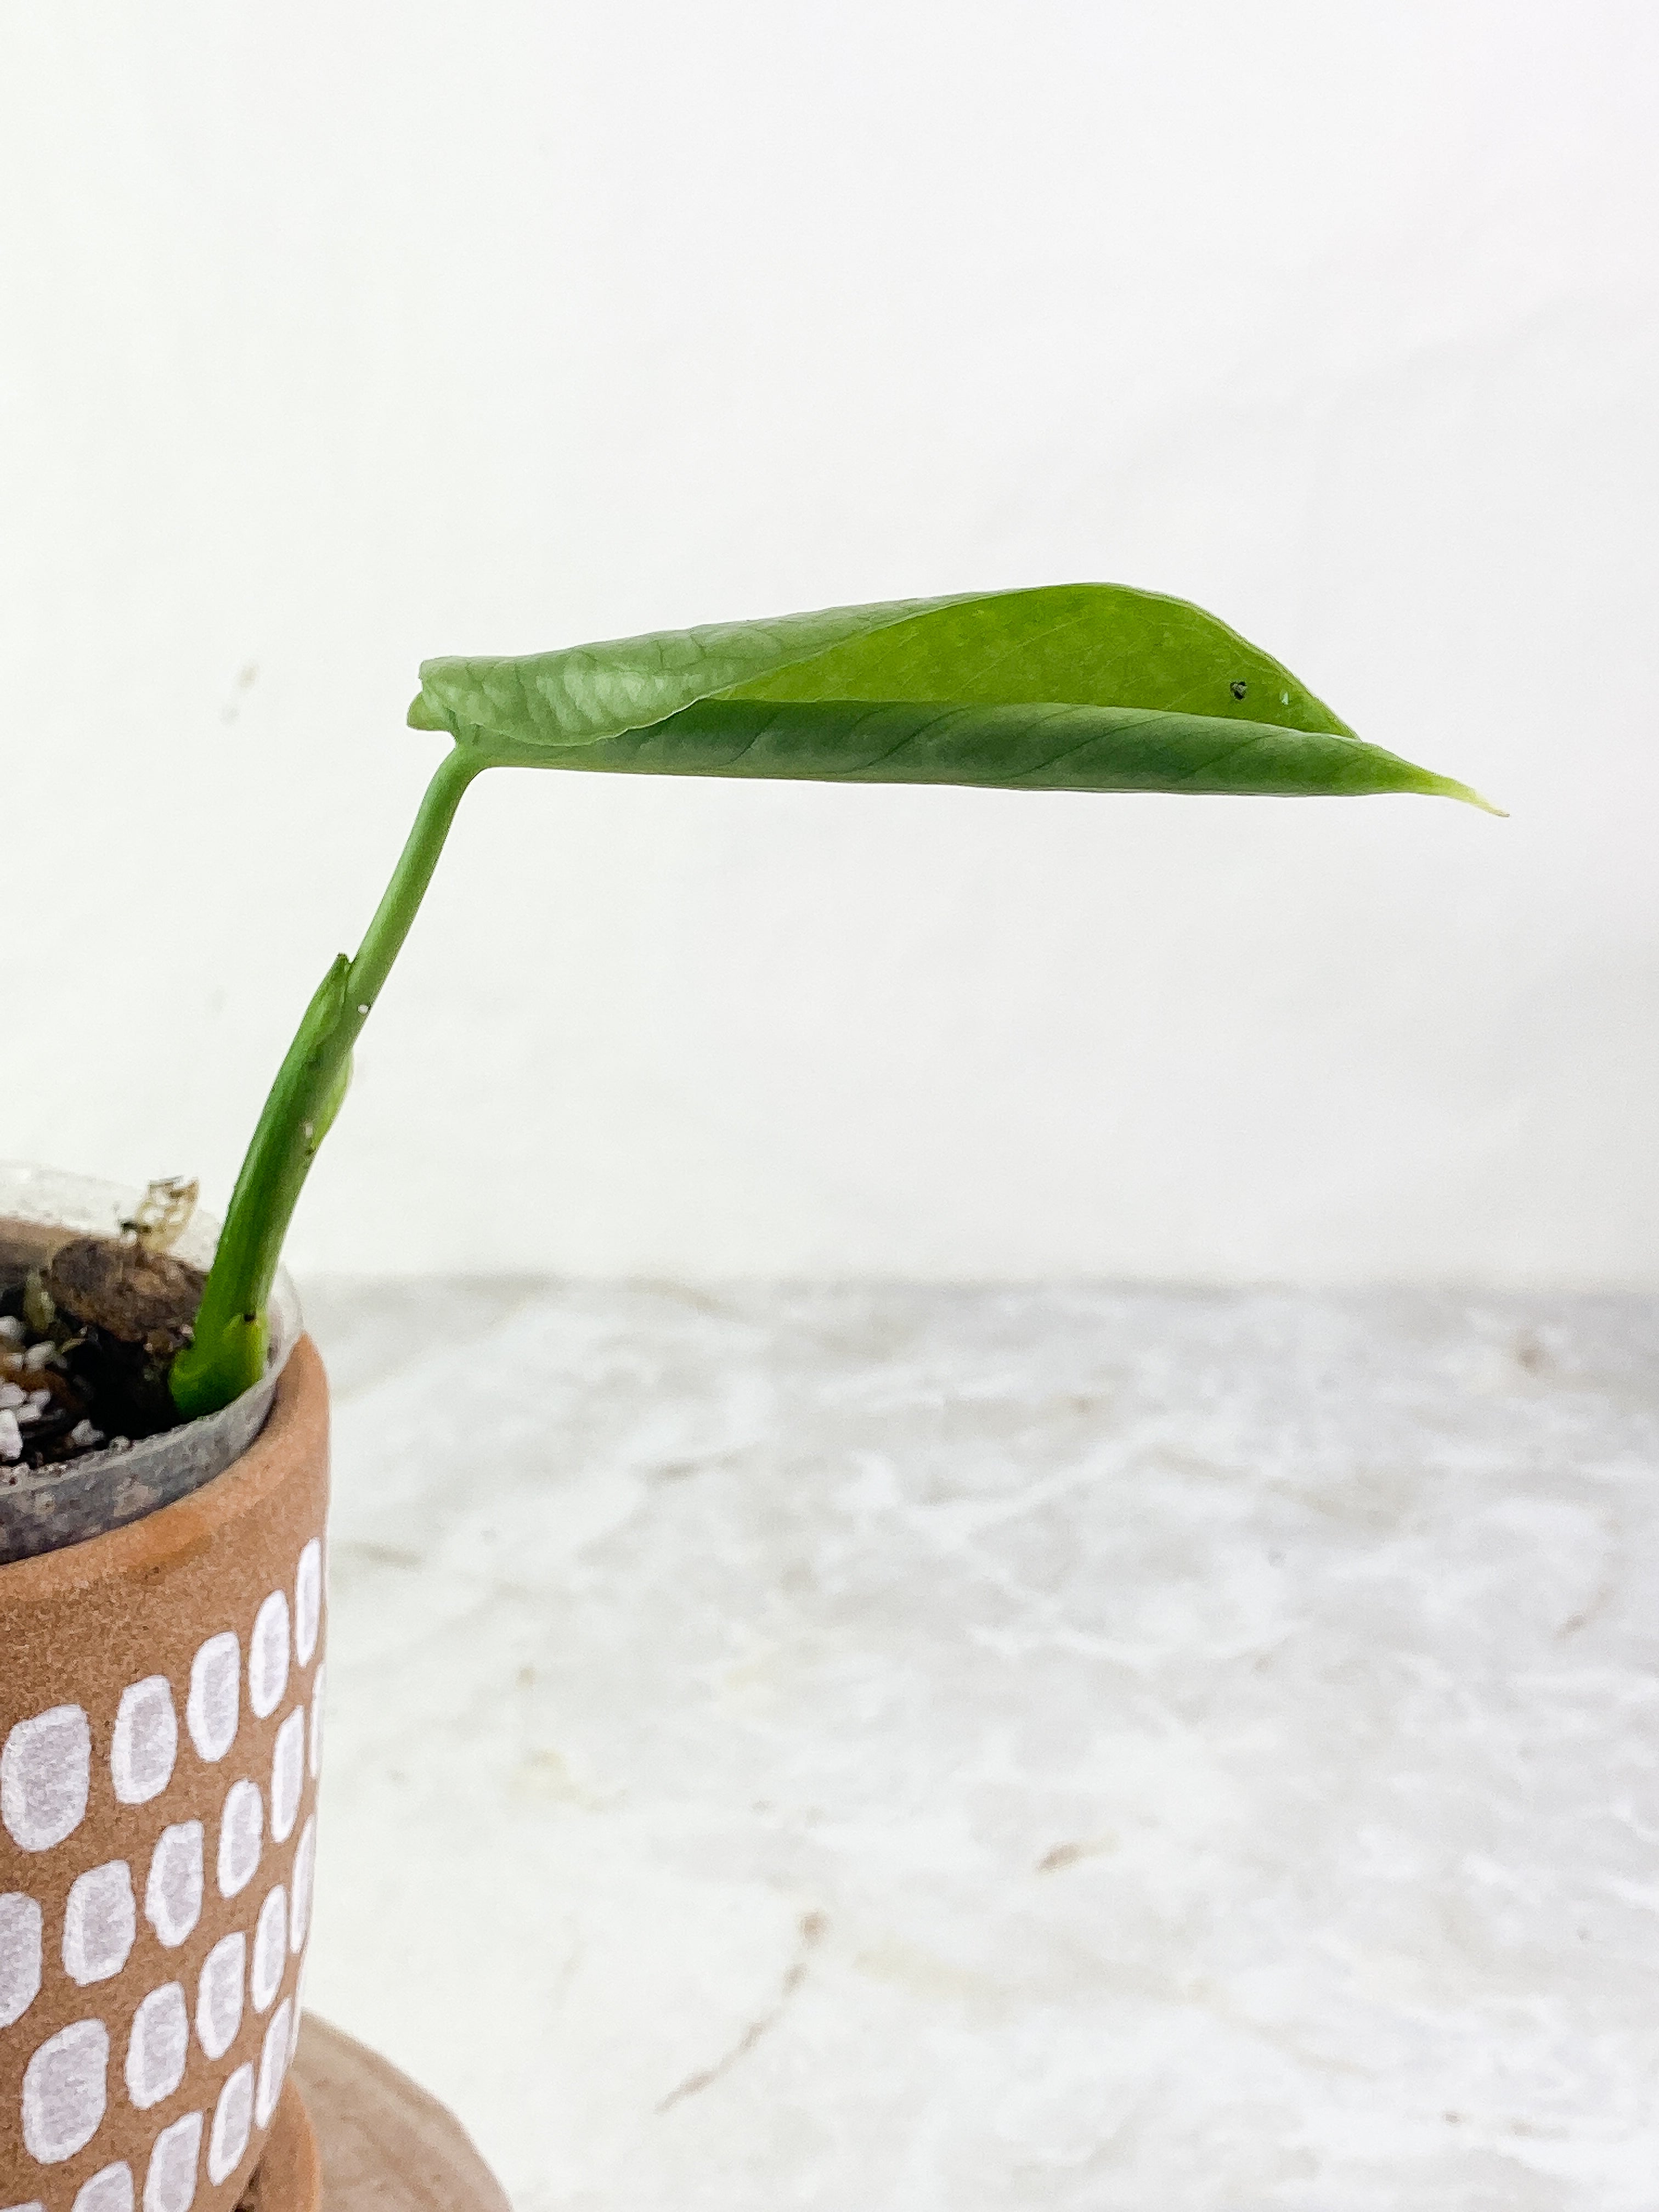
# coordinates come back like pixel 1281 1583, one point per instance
pixel 100 1922
pixel 214 1703
pixel 267 1656
pixel 46 1771
pixel 287 1775
pixel 170 2183
pixel 298 2010
pixel 64 2092
pixel 305 1858
pixel 233 2118
pixel 20 1956
pixel 316 1721
pixel 241 1832
pixel 158 2046
pixel 308 1600
pixel 219 1995
pixel 173 1888
pixel 146 1741
pixel 108 2191
pixel 36 2206
pixel 269 1949
pixel 273 2062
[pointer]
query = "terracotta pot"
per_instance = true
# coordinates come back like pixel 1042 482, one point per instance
pixel 161 1697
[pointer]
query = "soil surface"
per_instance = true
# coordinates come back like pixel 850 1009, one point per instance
pixel 87 1327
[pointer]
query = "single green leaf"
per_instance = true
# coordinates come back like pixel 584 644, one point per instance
pixel 1076 687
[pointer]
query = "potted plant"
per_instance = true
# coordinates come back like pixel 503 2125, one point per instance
pixel 161 1625
pixel 163 1425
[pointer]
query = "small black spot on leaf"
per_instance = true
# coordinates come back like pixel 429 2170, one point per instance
pixel 1239 688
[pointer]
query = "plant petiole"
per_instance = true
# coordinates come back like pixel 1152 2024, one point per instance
pixel 229 1353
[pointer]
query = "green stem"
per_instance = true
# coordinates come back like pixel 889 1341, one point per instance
pixel 229 1353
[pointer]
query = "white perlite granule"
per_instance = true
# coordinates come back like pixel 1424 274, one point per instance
pixel 11 1436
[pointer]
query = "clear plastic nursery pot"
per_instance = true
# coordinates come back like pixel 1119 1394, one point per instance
pixel 162 1640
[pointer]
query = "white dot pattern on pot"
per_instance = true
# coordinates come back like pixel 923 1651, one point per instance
pixel 298 2013
pixel 233 2118
pixel 100 1924
pixel 65 2090
pixel 270 1950
pixel 307 1601
pixel 146 1742
pixel 173 1888
pixel 46 1780
pixel 287 1775
pixel 215 1695
pixel 20 1956
pixel 158 2046
pixel 273 2064
pixel 317 1723
pixel 305 1859
pixel 241 1832
pixel 219 1995
pixel 267 1656
pixel 170 2180
pixel 108 2191
pixel 45 1772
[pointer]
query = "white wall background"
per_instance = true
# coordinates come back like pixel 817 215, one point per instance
pixel 333 336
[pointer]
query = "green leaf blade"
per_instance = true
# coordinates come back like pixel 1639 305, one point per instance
pixel 1078 687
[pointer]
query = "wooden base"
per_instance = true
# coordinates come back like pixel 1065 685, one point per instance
pixel 354 2135
pixel 289 2176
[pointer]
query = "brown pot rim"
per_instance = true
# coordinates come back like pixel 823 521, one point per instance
pixel 189 1523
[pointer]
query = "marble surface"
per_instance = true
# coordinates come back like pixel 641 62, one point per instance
pixel 966 1750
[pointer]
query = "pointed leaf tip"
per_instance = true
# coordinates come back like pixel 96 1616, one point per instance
pixel 1447 786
